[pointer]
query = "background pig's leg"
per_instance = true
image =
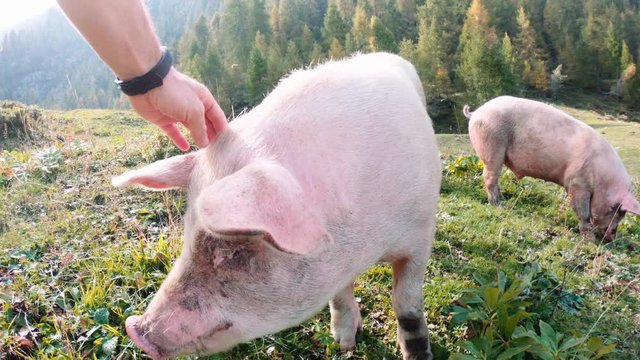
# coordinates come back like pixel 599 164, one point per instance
pixel 581 203
pixel 345 318
pixel 491 174
pixel 413 336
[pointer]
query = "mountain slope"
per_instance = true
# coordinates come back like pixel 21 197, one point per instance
pixel 48 63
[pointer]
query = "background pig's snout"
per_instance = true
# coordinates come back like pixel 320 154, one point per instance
pixel 138 338
pixel 607 234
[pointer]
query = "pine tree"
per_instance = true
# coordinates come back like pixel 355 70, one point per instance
pixel 407 27
pixel 562 26
pixel 336 52
pixel 291 17
pixel 482 69
pixel 631 86
pixel 427 57
pixel 292 56
pixel 334 25
pixel 212 70
pixel 595 61
pixel 391 18
pixel 625 57
pixel 307 41
pixel 201 31
pixel 234 32
pixel 534 69
pixel 360 30
pixel 317 55
pixel 509 54
pixel 256 77
pixel 408 51
pixel 347 9
pixel 381 38
pixel 275 65
pixel 258 19
pixel 502 15
pixel 614 48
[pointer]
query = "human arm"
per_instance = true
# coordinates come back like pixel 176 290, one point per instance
pixel 122 34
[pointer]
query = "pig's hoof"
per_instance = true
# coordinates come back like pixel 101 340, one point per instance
pixel 345 334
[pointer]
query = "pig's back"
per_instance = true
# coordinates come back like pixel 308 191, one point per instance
pixel 358 138
pixel 543 142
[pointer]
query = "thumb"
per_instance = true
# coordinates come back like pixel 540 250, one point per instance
pixel 176 136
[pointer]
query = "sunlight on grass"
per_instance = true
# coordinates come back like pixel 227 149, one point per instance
pixel 78 256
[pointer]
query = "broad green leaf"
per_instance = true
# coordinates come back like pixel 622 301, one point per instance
pixel 511 323
pixel 502 281
pixel 459 356
pixel 101 316
pixel 604 350
pixel 109 347
pixel 511 352
pixel 540 352
pixel 468 315
pixel 481 281
pixel 571 342
pixel 594 343
pixel 491 297
pixel 548 335
pixel 473 348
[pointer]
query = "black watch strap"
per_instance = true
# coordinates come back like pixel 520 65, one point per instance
pixel 151 80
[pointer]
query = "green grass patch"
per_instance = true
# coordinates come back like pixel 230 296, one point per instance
pixel 78 256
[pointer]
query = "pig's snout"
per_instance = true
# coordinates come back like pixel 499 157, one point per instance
pixel 606 235
pixel 138 338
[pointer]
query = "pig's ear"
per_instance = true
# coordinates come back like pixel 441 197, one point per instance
pixel 264 199
pixel 630 204
pixel 161 175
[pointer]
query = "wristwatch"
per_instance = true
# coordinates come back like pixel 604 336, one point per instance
pixel 151 80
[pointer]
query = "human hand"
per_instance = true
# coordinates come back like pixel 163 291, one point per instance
pixel 182 100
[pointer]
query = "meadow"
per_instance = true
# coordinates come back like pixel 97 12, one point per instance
pixel 78 256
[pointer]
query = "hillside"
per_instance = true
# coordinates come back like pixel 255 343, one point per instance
pixel 464 50
pixel 46 62
pixel 78 256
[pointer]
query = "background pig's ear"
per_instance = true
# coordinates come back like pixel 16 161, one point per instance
pixel 263 199
pixel 630 204
pixel 160 175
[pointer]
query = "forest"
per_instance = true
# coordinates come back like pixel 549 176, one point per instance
pixel 464 51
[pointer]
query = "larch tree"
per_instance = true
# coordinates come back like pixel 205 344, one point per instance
pixel 534 68
pixel 381 38
pixel 481 68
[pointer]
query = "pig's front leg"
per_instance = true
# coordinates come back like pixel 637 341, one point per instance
pixel 581 203
pixel 345 318
pixel 413 335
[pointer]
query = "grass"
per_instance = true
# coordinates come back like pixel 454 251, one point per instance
pixel 78 256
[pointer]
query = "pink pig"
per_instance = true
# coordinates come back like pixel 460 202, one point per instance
pixel 538 140
pixel 336 170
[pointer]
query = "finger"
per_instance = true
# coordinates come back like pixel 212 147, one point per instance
pixel 176 136
pixel 196 123
pixel 211 132
pixel 215 117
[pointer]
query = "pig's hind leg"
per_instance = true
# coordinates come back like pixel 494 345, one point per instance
pixel 345 318
pixel 491 175
pixel 492 149
pixel 413 335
